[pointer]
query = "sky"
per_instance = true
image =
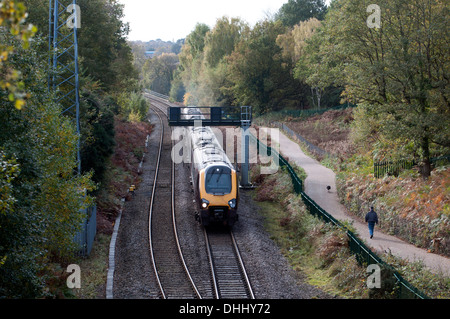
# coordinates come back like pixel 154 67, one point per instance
pixel 171 20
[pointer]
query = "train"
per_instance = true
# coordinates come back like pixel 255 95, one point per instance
pixel 214 178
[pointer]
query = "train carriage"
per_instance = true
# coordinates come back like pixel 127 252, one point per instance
pixel 214 179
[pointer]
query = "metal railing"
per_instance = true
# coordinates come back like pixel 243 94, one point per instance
pixel 382 168
pixel 310 112
pixel 157 94
pixel 391 167
pixel 85 238
pixel 364 255
pixel 311 147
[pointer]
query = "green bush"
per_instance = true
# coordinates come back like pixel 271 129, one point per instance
pixel 133 106
pixel 97 125
pixel 45 197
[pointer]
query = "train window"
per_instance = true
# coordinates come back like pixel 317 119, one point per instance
pixel 218 180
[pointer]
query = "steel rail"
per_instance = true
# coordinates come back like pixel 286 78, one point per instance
pixel 211 265
pixel 241 262
pixel 177 241
pixel 151 209
pixel 214 260
pixel 176 235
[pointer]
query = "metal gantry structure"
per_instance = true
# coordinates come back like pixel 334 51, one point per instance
pixel 64 21
pixel 221 116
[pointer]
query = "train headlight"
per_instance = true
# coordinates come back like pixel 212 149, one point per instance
pixel 232 203
pixel 205 203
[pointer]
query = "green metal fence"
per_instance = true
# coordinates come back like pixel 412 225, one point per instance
pixel 441 160
pixel 85 237
pixel 391 168
pixel 364 255
pixel 394 168
pixel 309 112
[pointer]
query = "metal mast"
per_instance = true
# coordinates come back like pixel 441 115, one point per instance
pixel 64 20
pixel 246 122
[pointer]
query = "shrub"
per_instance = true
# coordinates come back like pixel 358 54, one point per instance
pixel 40 223
pixel 97 144
pixel 133 106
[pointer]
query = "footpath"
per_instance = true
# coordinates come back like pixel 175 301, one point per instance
pixel 315 186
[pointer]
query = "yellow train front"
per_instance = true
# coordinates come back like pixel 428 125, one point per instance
pixel 214 179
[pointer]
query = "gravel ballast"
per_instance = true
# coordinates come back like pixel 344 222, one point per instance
pixel 269 272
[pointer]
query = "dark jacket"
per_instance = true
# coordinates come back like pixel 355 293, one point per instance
pixel 372 217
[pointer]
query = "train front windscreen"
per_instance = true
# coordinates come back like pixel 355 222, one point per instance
pixel 218 180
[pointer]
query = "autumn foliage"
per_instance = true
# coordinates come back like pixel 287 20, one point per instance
pixel 409 206
pixel 122 170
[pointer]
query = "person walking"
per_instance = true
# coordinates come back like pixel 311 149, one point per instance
pixel 371 220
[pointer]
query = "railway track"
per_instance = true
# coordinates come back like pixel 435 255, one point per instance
pixel 229 278
pixel 170 269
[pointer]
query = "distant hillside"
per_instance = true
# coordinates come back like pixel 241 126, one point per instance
pixel 162 46
pixel 158 46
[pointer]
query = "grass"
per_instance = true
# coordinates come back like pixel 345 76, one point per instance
pixel 122 171
pixel 94 270
pixel 316 249
pixel 410 207
pixel 414 209
pixel 320 251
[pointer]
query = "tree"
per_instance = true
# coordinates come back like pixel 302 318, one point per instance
pixel 41 199
pixel 12 17
pixel 222 39
pixel 191 59
pixel 44 198
pixel 399 72
pixel 220 43
pixel 177 89
pixel 196 40
pixel 293 42
pixel 298 46
pixel 106 56
pixel 97 134
pixel 106 70
pixel 258 73
pixel 134 106
pixel 158 72
pixel 295 11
